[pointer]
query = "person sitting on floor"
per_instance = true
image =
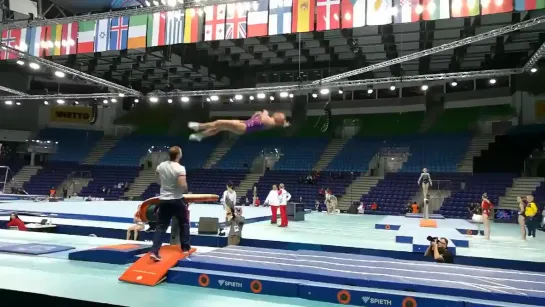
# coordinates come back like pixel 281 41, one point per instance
pixel 15 221
pixel 138 226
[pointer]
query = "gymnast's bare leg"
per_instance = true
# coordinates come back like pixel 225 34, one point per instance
pixel 212 128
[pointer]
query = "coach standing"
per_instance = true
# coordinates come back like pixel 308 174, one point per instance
pixel 172 177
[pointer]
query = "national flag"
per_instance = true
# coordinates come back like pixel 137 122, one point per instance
pixel 465 8
pixel 20 43
pixel 353 13
pixel 407 11
pixel 193 26
pixel 53 37
pixel 280 17
pixel 8 40
pixel 303 16
pixel 175 28
pixel 86 36
pixel 138 26
pixel 235 22
pixel 102 33
pixel 327 15
pixel 214 22
pixel 157 25
pixel 36 41
pixel 119 33
pixel 496 6
pixel 528 5
pixel 258 18
pixel 435 9
pixel 379 12
pixel 69 37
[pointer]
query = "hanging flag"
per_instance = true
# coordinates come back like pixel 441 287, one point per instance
pixel 379 12
pixel 280 17
pixel 36 42
pixel 193 26
pixel 353 13
pixel 119 33
pixel 214 22
pixel 235 22
pixel 303 16
pixel 69 37
pixel 175 28
pixel 156 29
pixel 435 9
pixel 86 36
pixel 102 33
pixel 407 11
pixel 53 36
pixel 497 6
pixel 20 43
pixel 137 31
pixel 8 40
pixel 528 5
pixel 327 15
pixel 465 8
pixel 258 18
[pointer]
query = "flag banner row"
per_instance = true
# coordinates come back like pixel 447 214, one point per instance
pixel 241 20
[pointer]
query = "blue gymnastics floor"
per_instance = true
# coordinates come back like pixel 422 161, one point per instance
pixel 377 272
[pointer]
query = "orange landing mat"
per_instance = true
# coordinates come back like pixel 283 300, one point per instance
pixel 146 271
pixel 428 223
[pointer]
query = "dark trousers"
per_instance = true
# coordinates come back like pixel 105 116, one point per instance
pixel 532 223
pixel 168 209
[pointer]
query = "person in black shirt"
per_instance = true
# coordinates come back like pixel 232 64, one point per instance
pixel 439 251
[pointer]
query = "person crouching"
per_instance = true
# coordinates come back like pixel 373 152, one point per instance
pixel 235 224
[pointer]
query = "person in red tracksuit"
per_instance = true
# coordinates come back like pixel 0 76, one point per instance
pixel 15 221
pixel 272 201
pixel 283 198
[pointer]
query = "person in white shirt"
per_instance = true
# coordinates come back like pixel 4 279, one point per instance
pixel 172 178
pixel 330 201
pixel 283 198
pixel 272 200
pixel 229 199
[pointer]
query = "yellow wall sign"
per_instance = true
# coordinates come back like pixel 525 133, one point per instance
pixel 77 115
pixel 540 109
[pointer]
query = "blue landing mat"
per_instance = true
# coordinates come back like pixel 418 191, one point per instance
pixel 34 249
pixel 377 272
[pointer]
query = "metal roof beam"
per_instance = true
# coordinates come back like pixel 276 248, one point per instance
pixel 535 58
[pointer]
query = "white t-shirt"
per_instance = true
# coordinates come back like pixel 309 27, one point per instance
pixel 284 197
pixel 168 173
pixel 272 198
pixel 232 196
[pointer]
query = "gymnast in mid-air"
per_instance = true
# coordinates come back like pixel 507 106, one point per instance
pixel 259 121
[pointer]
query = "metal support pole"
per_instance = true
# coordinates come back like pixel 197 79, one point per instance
pixel 535 58
pixel 442 48
pixel 12 91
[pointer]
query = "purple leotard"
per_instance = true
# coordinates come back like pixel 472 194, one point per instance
pixel 254 124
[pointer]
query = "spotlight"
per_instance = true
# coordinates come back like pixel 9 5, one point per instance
pixel 147 3
pixel 121 95
pixel 271 98
pixel 60 101
pixel 284 94
pixel 9 102
pixel 533 70
pixel 424 87
pixel 370 91
pixel 172 3
pixel 46 102
pixel 105 101
pixel 231 100
pixel 169 101
pixel 251 97
pixel 207 99
pixel 261 95
pixel 34 66
pixel 185 99
pixel 76 103
pixel 492 81
pixel 238 97
pixel 60 74
pixel 341 92
pixel 453 83
pixel 114 100
pixel 324 91
pixel 20 62
pixel 136 100
pixel 153 99
pixel 392 87
pixel 314 95
pixel 291 95
pixel 18 103
pixel 214 98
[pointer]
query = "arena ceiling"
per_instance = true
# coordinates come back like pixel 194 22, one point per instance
pixel 247 62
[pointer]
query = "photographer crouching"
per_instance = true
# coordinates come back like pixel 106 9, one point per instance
pixel 439 250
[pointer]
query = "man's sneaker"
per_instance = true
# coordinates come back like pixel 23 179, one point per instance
pixel 155 257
